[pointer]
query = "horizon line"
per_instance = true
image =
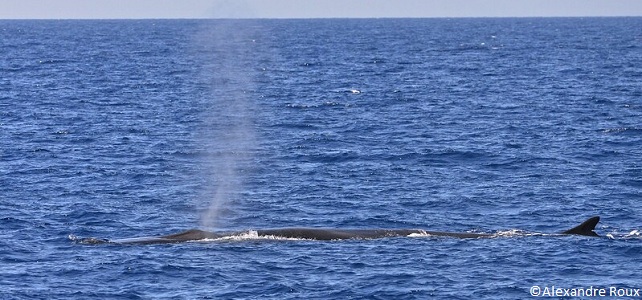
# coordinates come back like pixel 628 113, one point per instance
pixel 318 18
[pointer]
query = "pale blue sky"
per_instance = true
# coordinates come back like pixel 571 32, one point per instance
pixel 135 9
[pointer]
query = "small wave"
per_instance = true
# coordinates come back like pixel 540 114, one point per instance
pixel 86 241
pixel 52 61
pixel 632 130
pixel 301 106
pixel 317 105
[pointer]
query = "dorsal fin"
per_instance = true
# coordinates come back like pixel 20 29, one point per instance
pixel 586 228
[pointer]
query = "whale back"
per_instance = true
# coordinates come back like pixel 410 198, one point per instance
pixel 190 235
pixel 586 229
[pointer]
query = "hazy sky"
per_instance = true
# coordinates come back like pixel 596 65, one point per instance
pixel 134 9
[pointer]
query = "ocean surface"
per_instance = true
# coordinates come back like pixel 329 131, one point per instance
pixel 119 129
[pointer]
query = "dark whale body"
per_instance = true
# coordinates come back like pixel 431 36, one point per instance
pixel 585 229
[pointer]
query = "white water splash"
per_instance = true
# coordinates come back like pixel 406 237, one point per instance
pixel 421 233
pixel 513 233
pixel 251 235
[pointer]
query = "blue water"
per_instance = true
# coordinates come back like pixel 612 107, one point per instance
pixel 117 129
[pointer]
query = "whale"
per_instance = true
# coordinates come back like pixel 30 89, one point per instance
pixel 586 228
